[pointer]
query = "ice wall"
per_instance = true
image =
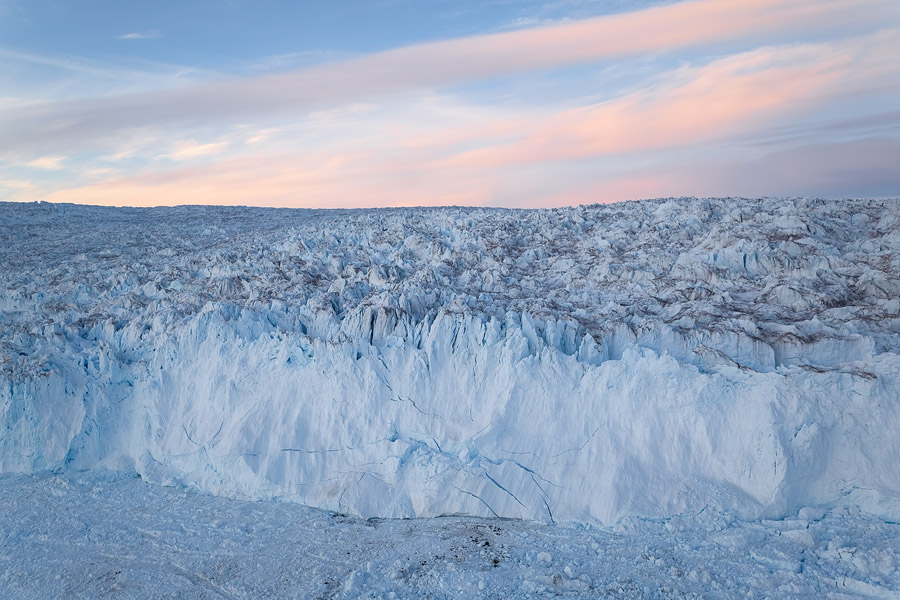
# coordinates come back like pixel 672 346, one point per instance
pixel 263 359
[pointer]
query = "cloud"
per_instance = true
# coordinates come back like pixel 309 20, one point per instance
pixel 13 190
pixel 278 62
pixel 17 184
pixel 857 168
pixel 79 77
pixel 50 163
pixel 153 34
pixel 65 63
pixel 861 168
pixel 670 138
pixel 658 29
pixel 411 169
pixel 193 149
pixel 731 97
pixel 743 118
pixel 338 181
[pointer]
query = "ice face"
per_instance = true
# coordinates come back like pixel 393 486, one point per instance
pixel 648 358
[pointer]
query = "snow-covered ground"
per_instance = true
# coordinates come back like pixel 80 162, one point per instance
pixel 644 362
pixel 102 535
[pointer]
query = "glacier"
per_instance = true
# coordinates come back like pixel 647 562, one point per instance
pixel 574 365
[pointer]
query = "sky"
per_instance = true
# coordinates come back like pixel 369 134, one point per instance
pixel 518 103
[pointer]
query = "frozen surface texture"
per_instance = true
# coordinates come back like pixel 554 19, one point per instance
pixel 100 535
pixel 586 364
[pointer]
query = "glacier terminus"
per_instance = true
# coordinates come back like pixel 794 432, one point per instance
pixel 582 366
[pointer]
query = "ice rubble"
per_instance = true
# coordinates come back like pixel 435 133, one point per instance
pixel 98 534
pixel 582 364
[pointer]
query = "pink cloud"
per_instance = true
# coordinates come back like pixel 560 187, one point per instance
pixel 858 168
pixel 663 28
pixel 733 95
pixel 531 157
pixel 327 180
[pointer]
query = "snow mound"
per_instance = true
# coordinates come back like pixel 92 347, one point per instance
pixel 584 364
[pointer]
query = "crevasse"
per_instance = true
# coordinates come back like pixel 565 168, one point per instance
pixel 575 365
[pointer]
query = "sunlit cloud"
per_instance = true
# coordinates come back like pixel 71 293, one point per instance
pixel 16 190
pixel 192 149
pixel 751 98
pixel 664 28
pixel 336 182
pixel 51 163
pixel 259 136
pixel 693 105
pixel 17 184
pixel 439 151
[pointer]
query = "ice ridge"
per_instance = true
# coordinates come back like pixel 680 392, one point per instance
pixel 580 364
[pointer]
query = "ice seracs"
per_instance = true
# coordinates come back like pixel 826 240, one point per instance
pixel 581 364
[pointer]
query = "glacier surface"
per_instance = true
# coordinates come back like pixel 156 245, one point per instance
pixel 585 364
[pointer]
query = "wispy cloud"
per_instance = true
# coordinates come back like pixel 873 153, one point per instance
pixel 751 95
pixel 152 34
pixel 75 65
pixel 17 190
pixel 192 149
pixel 659 29
pixel 17 184
pixel 279 62
pixel 693 105
pixel 58 77
pixel 857 168
pixel 438 151
pixel 51 163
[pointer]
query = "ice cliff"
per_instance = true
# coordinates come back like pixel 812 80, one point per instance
pixel 579 364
